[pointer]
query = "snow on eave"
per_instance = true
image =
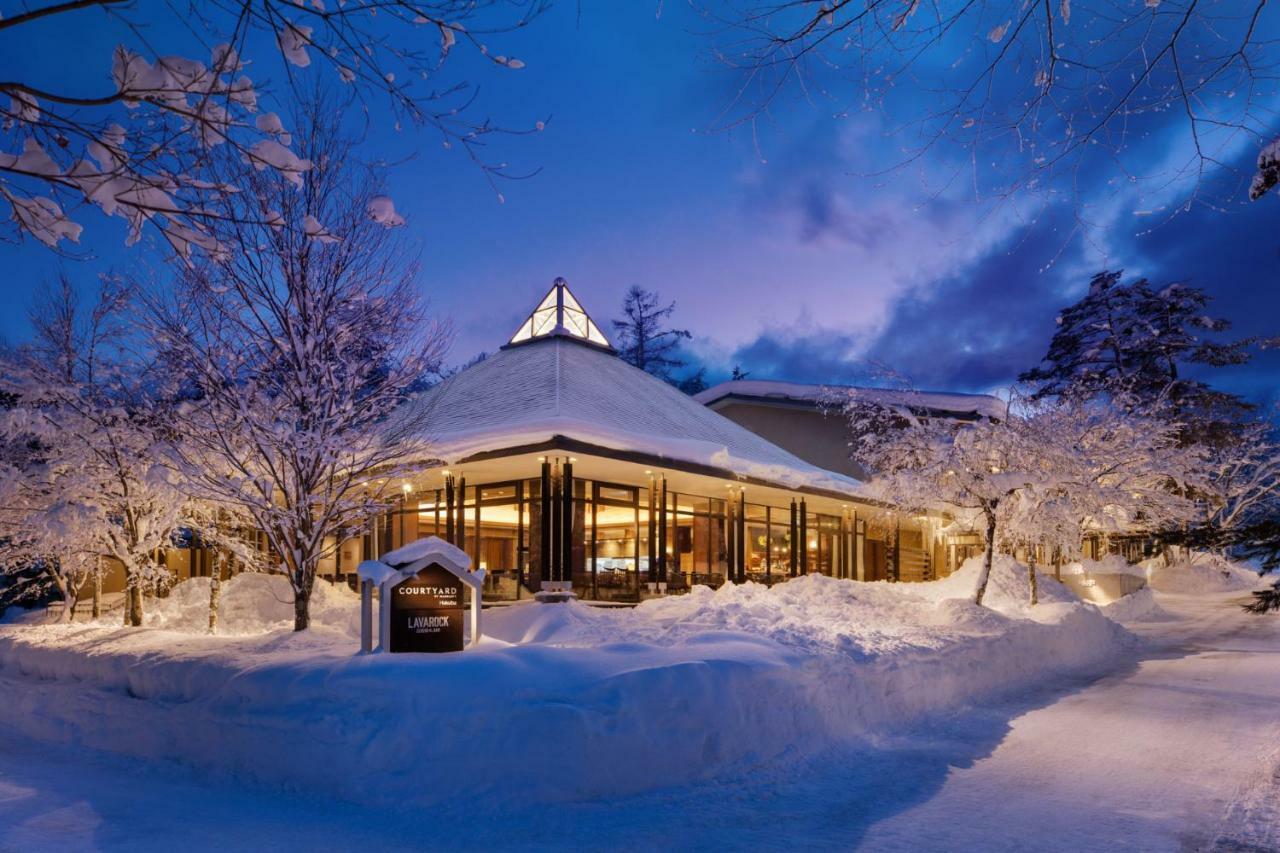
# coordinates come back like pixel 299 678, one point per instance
pixel 796 392
pixel 457 447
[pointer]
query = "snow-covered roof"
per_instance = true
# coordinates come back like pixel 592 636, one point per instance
pixel 938 401
pixel 559 386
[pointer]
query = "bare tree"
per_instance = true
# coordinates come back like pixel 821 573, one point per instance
pixel 300 348
pixel 1040 95
pixel 135 148
pixel 83 478
pixel 1041 475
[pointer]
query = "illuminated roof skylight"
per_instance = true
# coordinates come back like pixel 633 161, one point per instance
pixel 559 314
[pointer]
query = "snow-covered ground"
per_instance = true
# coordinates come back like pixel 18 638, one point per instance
pixel 562 701
pixel 1173 748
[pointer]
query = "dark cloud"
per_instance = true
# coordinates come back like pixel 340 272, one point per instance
pixel 1234 256
pixel 981 328
pixel 969 332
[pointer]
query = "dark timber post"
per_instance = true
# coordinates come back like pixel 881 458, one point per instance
pixel 653 533
pixel 521 551
pixel 804 538
pixel 566 522
pixel 595 503
pixel 662 536
pixel 448 510
pixel 742 536
pixel 461 521
pixel 730 534
pixel 768 546
pixel 544 526
pixel 897 550
pixel 853 562
pixel 794 535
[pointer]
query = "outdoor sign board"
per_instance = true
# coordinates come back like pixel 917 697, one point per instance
pixel 423 593
pixel 427 612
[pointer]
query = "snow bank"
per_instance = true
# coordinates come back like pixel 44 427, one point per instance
pixel 253 604
pixel 1111 564
pixel 1139 606
pixel 1008 587
pixel 561 701
pixel 1202 574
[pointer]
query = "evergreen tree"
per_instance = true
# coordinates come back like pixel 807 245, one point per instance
pixel 694 383
pixel 1134 342
pixel 738 373
pixel 643 338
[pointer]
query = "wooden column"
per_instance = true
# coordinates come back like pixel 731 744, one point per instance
pixel 794 536
pixel 566 523
pixel 448 510
pixel 460 516
pixel 546 505
pixel 653 529
pixel 662 534
pixel 742 536
pixel 804 538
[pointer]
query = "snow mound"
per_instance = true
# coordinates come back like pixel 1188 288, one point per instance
pixel 558 701
pixel 252 603
pixel 1008 587
pixel 1202 574
pixel 1140 606
pixel 1111 564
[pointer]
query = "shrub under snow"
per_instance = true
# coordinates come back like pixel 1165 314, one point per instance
pixel 253 603
pixel 1202 574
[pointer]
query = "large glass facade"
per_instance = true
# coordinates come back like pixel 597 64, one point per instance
pixel 500 527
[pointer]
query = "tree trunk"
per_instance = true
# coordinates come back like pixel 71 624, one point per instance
pixel 1031 577
pixel 97 591
pixel 301 611
pixel 988 559
pixel 133 605
pixel 303 580
pixel 215 594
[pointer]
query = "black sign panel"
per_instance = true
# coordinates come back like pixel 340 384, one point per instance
pixel 426 612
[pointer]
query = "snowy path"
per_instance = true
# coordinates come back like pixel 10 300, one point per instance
pixel 1179 751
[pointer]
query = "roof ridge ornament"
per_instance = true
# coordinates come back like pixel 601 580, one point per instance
pixel 559 314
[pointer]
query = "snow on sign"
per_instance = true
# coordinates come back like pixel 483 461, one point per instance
pixel 422 598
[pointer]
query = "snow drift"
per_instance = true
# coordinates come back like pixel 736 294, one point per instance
pixel 561 701
pixel 1202 574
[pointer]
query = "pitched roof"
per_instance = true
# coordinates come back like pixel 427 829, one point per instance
pixel 563 386
pixel 951 403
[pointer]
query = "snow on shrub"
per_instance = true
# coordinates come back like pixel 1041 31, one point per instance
pixel 254 603
pixel 1111 564
pixel 1202 574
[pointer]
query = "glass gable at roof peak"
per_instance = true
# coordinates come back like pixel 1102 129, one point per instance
pixel 559 315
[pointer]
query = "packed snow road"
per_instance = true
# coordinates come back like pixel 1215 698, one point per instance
pixel 1178 750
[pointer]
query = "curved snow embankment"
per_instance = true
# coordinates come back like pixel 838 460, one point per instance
pixel 587 702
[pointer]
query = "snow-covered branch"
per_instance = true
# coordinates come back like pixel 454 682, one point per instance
pixel 136 148
pixel 298 350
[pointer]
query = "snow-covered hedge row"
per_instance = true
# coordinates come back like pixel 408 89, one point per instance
pixel 562 701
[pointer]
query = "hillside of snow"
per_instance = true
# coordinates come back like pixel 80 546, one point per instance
pixel 560 701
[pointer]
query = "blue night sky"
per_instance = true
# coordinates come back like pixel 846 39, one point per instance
pixel 779 257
